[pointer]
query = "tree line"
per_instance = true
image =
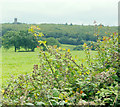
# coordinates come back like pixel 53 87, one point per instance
pixel 62 34
pixel 24 39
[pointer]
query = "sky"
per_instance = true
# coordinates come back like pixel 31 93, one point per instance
pixel 60 11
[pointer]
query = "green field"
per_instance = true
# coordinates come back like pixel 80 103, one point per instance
pixel 15 63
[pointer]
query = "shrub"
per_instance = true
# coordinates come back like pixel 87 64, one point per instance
pixel 52 41
pixel 59 80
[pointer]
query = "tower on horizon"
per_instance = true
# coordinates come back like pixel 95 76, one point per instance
pixel 15 20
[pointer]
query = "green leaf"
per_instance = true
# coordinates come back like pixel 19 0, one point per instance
pixel 40 103
pixel 29 104
pixel 55 92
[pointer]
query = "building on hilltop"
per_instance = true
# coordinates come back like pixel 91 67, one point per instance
pixel 15 21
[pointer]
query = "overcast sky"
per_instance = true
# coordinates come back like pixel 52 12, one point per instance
pixel 60 11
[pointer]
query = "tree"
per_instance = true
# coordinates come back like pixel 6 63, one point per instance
pixel 19 39
pixel 52 41
pixel 66 24
pixel 28 41
pixel 71 24
pixel 11 38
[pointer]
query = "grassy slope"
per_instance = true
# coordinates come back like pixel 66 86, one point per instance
pixel 22 62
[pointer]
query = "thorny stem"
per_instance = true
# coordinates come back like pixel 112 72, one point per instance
pixel 52 71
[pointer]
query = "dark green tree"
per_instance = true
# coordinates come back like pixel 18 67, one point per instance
pixel 11 38
pixel 52 41
pixel 19 39
pixel 28 41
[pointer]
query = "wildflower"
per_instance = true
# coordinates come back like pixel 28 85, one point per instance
pixel 104 38
pixel 66 100
pixel 45 42
pixel 55 46
pixel 39 42
pixel 64 49
pixel 87 72
pixel 38 47
pixel 77 89
pixel 73 91
pixel 68 50
pixel 35 34
pixel 103 49
pixel 35 95
pixel 81 92
pixel 59 48
pixel 3 91
pixel 98 91
pixel 84 44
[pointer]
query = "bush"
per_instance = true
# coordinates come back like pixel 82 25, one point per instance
pixel 52 41
pixel 59 80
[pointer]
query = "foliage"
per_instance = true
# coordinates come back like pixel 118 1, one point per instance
pixel 11 38
pixel 59 80
pixel 66 34
pixel 19 39
pixel 52 41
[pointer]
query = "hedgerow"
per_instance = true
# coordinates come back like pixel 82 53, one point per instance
pixel 59 80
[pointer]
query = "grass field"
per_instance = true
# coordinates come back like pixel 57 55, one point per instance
pixel 15 63
pixel 68 46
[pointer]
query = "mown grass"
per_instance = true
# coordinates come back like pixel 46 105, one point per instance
pixel 15 63
pixel 71 47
